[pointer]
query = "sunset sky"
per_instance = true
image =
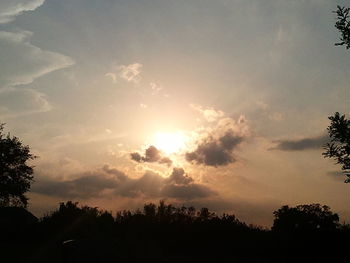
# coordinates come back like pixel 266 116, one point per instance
pixel 222 103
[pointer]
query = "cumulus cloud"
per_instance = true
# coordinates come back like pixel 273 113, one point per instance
pixel 9 9
pixel 210 114
pixel 111 181
pixel 217 147
pixel 178 176
pixel 152 155
pixel 89 185
pixel 304 144
pixel 129 73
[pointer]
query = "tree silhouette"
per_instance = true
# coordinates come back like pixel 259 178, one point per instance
pixel 343 25
pixel 304 218
pixel 15 175
pixel 339 146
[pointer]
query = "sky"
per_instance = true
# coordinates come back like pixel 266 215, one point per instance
pixel 222 104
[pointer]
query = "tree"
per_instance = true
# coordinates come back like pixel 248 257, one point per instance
pixel 343 25
pixel 304 218
pixel 15 175
pixel 339 146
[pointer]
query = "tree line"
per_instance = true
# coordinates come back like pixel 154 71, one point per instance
pixel 167 233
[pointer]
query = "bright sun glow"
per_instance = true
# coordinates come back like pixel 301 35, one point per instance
pixel 170 142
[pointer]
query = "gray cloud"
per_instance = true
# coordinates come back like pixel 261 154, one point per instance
pixel 136 157
pixel 178 176
pixel 302 144
pixel 111 181
pixel 9 9
pixel 152 155
pixel 216 151
pixel 87 186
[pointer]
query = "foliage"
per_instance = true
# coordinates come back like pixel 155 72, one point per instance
pixel 343 25
pixel 167 233
pixel 70 219
pixel 15 175
pixel 168 213
pixel 339 146
pixel 305 218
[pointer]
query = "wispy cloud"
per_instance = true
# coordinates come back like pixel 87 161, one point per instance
pixel 9 9
pixel 303 144
pixel 130 73
pixel 20 102
pixel 113 76
pixel 210 114
pixel 22 62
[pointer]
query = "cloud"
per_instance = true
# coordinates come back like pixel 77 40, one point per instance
pixel 112 76
pixel 9 9
pixel 129 73
pixel 155 88
pixel 16 102
pixel 217 147
pixel 152 155
pixel 304 144
pixel 21 62
pixel 178 176
pixel 210 114
pixel 111 181
pixel 88 185
pixel 136 157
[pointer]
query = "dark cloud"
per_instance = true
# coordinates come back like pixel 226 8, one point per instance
pixel 152 155
pixel 215 151
pixel 166 160
pixel 88 185
pixel 148 185
pixel 178 176
pixel 120 176
pixel 302 144
pixel 113 182
pixel 136 157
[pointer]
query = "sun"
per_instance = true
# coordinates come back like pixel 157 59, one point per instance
pixel 170 142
